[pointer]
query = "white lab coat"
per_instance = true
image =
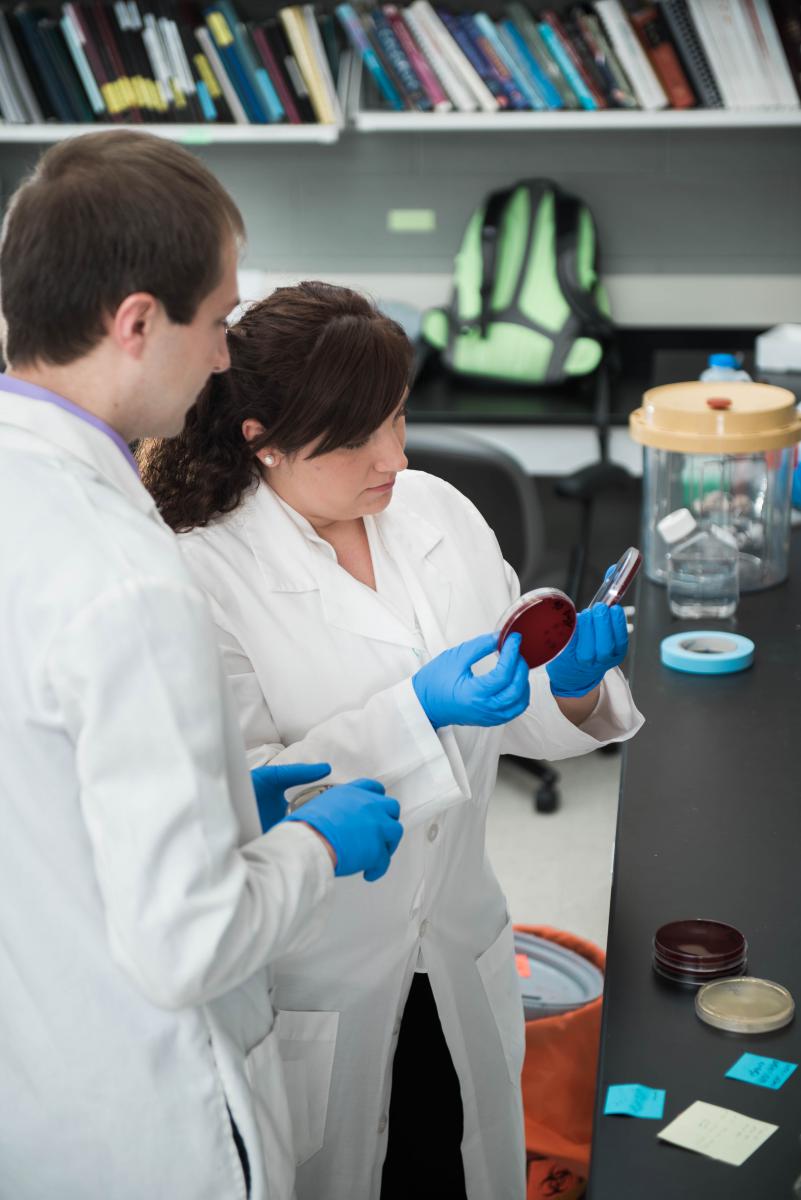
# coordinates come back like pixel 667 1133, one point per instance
pixel 139 902
pixel 321 668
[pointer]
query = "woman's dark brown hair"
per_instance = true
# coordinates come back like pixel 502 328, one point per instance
pixel 311 363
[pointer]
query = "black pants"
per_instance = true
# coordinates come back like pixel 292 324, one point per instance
pixel 424 1157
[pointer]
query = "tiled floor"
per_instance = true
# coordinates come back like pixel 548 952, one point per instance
pixel 556 868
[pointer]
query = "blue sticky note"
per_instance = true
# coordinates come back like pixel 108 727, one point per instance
pixel 634 1100
pixel 765 1072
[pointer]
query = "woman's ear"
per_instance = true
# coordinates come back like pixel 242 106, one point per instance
pixel 252 429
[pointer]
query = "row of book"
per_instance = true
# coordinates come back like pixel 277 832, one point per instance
pixel 737 54
pixel 170 60
pixel 161 61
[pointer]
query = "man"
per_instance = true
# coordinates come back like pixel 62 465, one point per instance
pixel 140 902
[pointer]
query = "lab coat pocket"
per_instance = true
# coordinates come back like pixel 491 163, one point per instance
pixel 307 1041
pixel 496 966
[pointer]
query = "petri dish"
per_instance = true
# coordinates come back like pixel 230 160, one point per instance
pixel 745 1005
pixel 698 978
pixel 698 941
pixel 545 618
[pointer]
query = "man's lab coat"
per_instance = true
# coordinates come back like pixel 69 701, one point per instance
pixel 139 902
pixel 321 668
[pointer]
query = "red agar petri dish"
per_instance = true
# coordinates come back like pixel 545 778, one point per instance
pixel 699 943
pixel 545 618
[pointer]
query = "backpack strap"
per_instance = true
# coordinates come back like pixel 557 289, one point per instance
pixel 490 228
pixel 594 322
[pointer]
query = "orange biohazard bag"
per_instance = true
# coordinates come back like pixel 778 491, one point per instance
pixel 559 1086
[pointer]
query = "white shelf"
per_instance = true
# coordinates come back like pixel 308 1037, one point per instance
pixel 190 135
pixel 560 122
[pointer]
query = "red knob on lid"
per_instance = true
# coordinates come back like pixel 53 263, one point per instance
pixel 719 402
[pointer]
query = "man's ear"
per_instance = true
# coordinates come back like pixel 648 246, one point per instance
pixel 131 326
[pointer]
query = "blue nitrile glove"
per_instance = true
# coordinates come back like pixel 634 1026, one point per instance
pixel 599 642
pixel 360 823
pixel 450 694
pixel 797 487
pixel 270 783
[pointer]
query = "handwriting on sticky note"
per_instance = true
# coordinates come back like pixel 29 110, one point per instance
pixel 523 966
pixel 765 1072
pixel 717 1132
pixel 634 1100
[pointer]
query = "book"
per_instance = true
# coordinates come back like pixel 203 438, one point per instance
pixel 295 28
pixel 525 24
pixel 81 62
pixel 595 69
pixel 12 110
pixel 16 71
pixel 428 80
pixel 655 39
pixel 58 102
pixel 321 62
pixel 226 47
pixel 459 64
pixel 455 90
pixel 715 30
pixel 253 67
pixel 773 65
pixel 209 51
pixel 508 39
pixel 543 84
pixel 394 56
pixel 616 83
pixel 119 73
pixel 587 95
pixel 360 43
pixel 647 88
pixel 757 87
pixel 493 51
pixel 460 33
pixel 788 24
pixel 29 66
pixel 691 52
pixel 274 32
pixel 273 68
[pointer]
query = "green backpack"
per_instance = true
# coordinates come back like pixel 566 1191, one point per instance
pixel 527 307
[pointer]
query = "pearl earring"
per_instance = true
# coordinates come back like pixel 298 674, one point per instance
pixel 268 460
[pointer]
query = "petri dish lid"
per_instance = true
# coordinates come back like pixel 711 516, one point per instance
pixel 698 940
pixel 546 619
pixel 560 981
pixel 745 1005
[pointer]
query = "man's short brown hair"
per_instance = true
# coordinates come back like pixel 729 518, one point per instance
pixel 103 216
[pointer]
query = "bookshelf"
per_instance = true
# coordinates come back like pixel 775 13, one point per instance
pixel 190 135
pixel 559 122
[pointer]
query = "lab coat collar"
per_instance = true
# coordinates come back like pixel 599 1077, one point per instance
pixel 61 430
pixel 290 563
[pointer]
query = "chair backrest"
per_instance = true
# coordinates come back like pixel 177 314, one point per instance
pixel 494 481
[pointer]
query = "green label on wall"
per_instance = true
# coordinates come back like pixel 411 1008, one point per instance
pixel 411 220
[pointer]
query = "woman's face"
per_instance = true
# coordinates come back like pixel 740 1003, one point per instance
pixel 351 482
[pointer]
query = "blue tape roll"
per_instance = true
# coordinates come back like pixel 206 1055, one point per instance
pixel 707 652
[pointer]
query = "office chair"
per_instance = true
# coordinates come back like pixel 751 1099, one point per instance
pixel 507 499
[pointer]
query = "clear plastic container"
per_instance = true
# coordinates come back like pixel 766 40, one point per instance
pixel 702 567
pixel 725 452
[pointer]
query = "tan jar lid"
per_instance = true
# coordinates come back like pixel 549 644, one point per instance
pixel 722 418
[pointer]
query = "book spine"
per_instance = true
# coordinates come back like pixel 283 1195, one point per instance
pixel 207 46
pixel 565 64
pixel 323 66
pixel 647 87
pixel 546 89
pixel 258 78
pixel 223 37
pixel 428 79
pixel 776 66
pixel 523 20
pixel 656 43
pixel 451 85
pixel 123 81
pixel 478 61
pixel 474 93
pixel 155 101
pixel 294 25
pixel 788 25
pixel 522 75
pixel 690 52
pixel 358 39
pixel 493 44
pixel 551 19
pixel 498 62
pixel 397 58
pixel 271 66
pixel 82 66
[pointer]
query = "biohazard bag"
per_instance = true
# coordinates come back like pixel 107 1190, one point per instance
pixel 527 306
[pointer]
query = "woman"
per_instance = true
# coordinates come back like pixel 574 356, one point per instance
pixel 338 585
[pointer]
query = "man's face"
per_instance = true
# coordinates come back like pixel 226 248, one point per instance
pixel 183 356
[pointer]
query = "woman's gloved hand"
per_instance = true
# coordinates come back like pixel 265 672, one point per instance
pixel 599 642
pixel 450 694
pixel 270 783
pixel 360 824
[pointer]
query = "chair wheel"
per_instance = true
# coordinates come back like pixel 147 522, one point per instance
pixel 546 799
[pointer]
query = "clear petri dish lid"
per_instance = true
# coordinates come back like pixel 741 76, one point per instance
pixel 745 1005
pixel 546 618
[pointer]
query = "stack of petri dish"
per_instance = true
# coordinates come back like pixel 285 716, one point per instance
pixel 695 952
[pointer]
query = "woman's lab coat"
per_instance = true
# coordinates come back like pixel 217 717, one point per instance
pixel 139 902
pixel 321 668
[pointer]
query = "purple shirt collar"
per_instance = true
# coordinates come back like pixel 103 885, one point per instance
pixel 20 388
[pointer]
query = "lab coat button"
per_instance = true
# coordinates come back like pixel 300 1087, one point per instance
pixel 396 1029
pixel 382 1124
pixel 423 928
pixel 433 830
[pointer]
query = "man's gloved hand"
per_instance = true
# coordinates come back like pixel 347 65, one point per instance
pixel 599 642
pixel 797 487
pixel 450 694
pixel 270 783
pixel 359 822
